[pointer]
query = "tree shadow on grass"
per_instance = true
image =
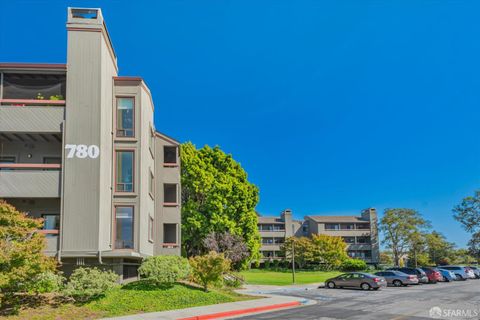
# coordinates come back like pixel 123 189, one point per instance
pixel 148 285
pixel 13 305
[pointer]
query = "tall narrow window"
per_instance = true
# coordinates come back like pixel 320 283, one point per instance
pixel 169 155
pixel 169 233
pixel 124 171
pixel 170 193
pixel 51 221
pixel 123 227
pixel 150 229
pixel 125 117
pixel 151 183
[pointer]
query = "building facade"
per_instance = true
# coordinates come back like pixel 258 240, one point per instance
pixel 359 232
pixel 78 148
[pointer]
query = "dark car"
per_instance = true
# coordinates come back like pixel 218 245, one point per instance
pixel 421 275
pixel 434 275
pixel 365 281
pixel 397 278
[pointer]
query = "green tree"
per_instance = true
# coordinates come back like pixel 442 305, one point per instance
pixel 209 268
pixel 328 251
pixel 438 248
pixel 303 250
pixel 398 227
pixel 21 251
pixel 386 257
pixel 216 197
pixel 417 249
pixel 468 214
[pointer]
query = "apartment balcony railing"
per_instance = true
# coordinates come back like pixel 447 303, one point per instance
pixel 30 180
pixel 51 237
pixel 36 117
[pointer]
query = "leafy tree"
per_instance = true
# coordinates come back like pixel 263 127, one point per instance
pixel 438 248
pixel 462 256
pixel 386 257
pixel 468 214
pixel 231 245
pixel 164 270
pixel 329 251
pixel 216 197
pixel 209 268
pixel 21 251
pixel 399 226
pixel 303 250
pixel 417 249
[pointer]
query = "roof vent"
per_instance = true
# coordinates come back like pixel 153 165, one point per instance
pixel 84 13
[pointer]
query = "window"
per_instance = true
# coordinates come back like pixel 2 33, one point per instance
pixel 6 160
pixel 332 226
pixel 125 117
pixel 363 240
pixel 349 239
pixel 170 155
pixel 267 240
pixel 151 141
pixel 170 193
pixel 347 226
pixel 363 226
pixel 151 183
pixel 51 221
pixel 124 171
pixel 150 229
pixel 54 160
pixel 123 227
pixel 169 233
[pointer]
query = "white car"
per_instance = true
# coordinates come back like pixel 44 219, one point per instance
pixel 470 273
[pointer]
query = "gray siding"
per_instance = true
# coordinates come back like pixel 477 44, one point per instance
pixel 44 119
pixel 29 184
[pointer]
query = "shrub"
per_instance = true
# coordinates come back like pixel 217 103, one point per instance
pixel 233 280
pixel 209 268
pixel 48 282
pixel 353 265
pixel 267 264
pixel 163 270
pixel 88 283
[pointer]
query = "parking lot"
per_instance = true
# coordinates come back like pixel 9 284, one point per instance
pixel 455 300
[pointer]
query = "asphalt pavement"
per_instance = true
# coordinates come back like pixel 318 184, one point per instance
pixel 455 300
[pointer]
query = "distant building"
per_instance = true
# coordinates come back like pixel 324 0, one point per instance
pixel 359 232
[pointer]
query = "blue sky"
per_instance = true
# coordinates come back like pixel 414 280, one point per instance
pixel 330 106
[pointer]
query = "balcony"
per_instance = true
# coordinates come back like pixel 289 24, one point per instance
pixel 30 180
pixel 31 118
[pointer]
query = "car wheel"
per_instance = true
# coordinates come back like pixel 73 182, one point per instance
pixel 376 289
pixel 397 283
pixel 331 285
pixel 460 277
pixel 365 286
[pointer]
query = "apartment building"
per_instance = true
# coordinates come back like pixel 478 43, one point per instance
pixel 359 232
pixel 274 231
pixel 78 148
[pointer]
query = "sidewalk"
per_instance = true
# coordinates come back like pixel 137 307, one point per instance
pixel 229 310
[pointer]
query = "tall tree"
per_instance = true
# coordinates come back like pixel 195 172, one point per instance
pixel 21 251
pixel 399 226
pixel 303 250
pixel 216 197
pixel 468 214
pixel 329 251
pixel 438 248
pixel 232 246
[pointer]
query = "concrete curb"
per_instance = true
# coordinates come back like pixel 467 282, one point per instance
pixel 244 311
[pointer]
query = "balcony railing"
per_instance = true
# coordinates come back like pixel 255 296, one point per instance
pixel 30 180
pixel 31 102
pixel 29 166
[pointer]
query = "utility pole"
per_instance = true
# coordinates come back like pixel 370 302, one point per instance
pixel 293 255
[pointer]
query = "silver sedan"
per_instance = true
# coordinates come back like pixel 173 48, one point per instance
pixel 397 278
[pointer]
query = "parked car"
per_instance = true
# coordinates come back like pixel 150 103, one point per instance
pixel 459 271
pixel 365 281
pixel 397 278
pixel 421 275
pixel 447 275
pixel 476 271
pixel 470 273
pixel 433 274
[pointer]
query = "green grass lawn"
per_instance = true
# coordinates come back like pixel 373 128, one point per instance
pixel 282 278
pixel 132 298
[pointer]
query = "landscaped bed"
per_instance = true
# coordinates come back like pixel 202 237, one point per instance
pixel 136 297
pixel 284 277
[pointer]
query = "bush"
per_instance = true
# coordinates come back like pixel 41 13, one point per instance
pixel 353 265
pixel 233 280
pixel 48 282
pixel 267 264
pixel 209 269
pixel 163 270
pixel 88 283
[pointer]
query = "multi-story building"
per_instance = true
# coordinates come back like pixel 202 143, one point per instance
pixel 78 148
pixel 359 232
pixel 274 231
